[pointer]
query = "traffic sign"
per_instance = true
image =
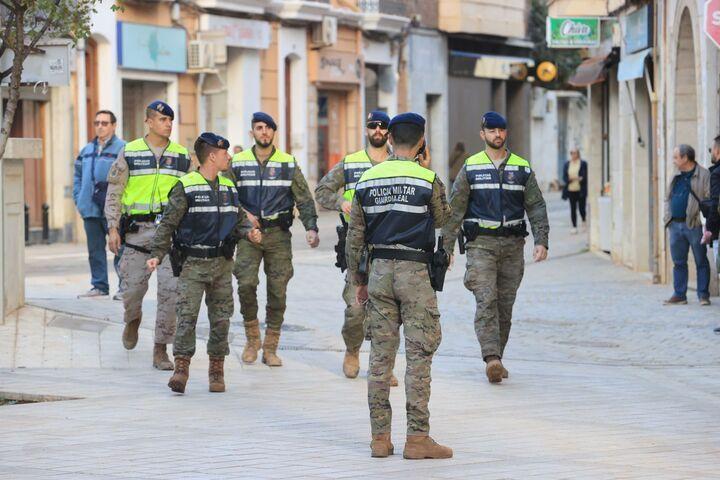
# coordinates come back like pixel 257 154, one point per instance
pixel 712 21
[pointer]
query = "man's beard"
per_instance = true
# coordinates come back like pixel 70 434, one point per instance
pixel 377 143
pixel 495 144
pixel 262 144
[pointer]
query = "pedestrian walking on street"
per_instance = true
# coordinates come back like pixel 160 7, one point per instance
pixel 89 190
pixel 139 183
pixel 335 191
pixel 575 189
pixel 490 197
pixel 686 191
pixel 270 184
pixel 397 206
pixel 204 214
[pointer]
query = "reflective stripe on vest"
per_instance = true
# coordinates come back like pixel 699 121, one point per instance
pixel 495 201
pixel 211 215
pixel 264 191
pixel 354 165
pixel 150 180
pixel 395 196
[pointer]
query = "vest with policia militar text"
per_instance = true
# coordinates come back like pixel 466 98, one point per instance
pixel 265 191
pixel 354 165
pixel 395 198
pixel 496 201
pixel 211 215
pixel 149 179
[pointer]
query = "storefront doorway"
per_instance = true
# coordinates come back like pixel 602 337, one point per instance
pixel 332 129
pixel 136 95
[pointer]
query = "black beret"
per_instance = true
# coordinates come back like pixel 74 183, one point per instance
pixel 265 118
pixel 162 107
pixel 378 116
pixel 409 117
pixel 493 120
pixel 214 140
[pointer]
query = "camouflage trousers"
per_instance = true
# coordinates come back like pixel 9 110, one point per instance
pixel 400 293
pixel 212 277
pixel 353 330
pixel 275 252
pixel 135 277
pixel 495 267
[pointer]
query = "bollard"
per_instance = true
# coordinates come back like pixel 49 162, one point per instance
pixel 27 224
pixel 45 223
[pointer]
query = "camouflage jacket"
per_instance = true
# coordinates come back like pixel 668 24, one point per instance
pixel 439 209
pixel 330 189
pixel 173 215
pixel 534 207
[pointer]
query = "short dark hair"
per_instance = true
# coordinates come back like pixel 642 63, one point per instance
pixel 406 134
pixel 686 150
pixel 202 150
pixel 113 119
pixel 716 141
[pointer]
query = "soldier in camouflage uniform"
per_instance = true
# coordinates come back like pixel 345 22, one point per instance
pixel 270 184
pixel 397 206
pixel 335 191
pixel 204 214
pixel 138 184
pixel 490 197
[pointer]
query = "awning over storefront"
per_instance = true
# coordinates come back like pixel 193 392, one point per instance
pixel 591 71
pixel 632 66
pixel 467 64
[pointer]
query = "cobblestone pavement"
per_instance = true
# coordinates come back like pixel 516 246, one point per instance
pixel 605 382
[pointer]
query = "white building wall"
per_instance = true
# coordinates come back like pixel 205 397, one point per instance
pixel 292 42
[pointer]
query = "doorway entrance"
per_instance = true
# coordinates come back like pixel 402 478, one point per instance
pixel 332 129
pixel 136 95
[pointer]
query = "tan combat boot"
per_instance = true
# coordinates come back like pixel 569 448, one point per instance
pixel 351 364
pixel 252 342
pixel 506 374
pixel 381 446
pixel 180 377
pixel 393 380
pixel 269 358
pixel 494 369
pixel 419 447
pixel 130 334
pixel 216 375
pixel 161 361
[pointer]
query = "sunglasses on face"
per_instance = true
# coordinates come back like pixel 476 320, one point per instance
pixel 104 123
pixel 377 124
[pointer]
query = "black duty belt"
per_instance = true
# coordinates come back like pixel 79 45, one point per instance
pixel 213 252
pixel 138 248
pixel 519 231
pixel 147 217
pixel 400 254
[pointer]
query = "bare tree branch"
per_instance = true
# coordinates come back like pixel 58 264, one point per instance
pixel 42 31
pixel 7 5
pixel 15 80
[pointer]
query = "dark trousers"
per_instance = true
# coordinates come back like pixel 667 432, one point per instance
pixel 96 231
pixel 577 200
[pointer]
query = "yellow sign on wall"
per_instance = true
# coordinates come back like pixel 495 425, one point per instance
pixel 546 71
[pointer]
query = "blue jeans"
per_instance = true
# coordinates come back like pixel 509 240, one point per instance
pixel 683 238
pixel 96 231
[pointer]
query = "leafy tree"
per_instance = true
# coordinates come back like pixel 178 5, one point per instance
pixel 566 60
pixel 24 23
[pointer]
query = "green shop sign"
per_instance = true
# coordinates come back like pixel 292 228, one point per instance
pixel 573 32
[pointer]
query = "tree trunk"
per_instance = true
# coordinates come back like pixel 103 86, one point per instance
pixel 15 78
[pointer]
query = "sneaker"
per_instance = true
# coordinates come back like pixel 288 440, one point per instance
pixel 675 300
pixel 704 302
pixel 93 292
pixel 118 296
pixel 573 231
pixel 717 330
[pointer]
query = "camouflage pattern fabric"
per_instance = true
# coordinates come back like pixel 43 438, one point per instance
pixel 275 252
pixel 212 277
pixel 495 267
pixel 400 293
pixel 136 276
pixel 353 330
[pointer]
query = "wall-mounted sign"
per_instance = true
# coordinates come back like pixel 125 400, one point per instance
pixel 638 30
pixel 149 47
pixel 546 71
pixel 468 64
pixel 576 32
pixel 712 21
pixel 338 67
pixel 49 64
pixel 238 32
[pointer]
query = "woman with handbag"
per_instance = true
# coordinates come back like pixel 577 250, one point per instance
pixel 575 189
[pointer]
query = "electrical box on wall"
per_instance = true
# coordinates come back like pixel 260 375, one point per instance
pixel 325 33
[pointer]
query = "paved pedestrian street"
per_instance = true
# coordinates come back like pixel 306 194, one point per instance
pixel 604 383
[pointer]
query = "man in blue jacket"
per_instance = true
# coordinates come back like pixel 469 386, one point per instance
pixel 89 188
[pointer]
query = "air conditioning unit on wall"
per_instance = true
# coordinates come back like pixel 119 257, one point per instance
pixel 325 33
pixel 200 55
